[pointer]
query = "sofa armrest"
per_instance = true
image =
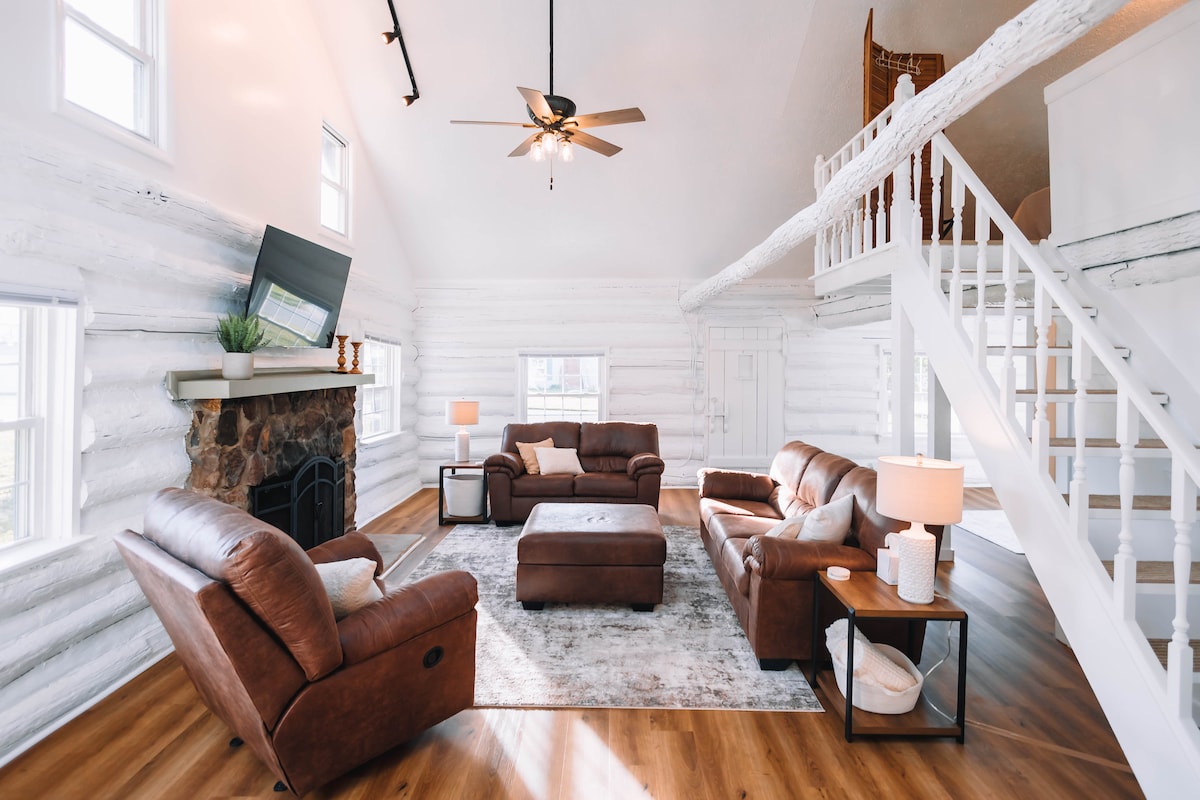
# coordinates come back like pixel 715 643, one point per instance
pixel 406 612
pixel 793 560
pixel 645 464
pixel 343 548
pixel 508 463
pixel 735 485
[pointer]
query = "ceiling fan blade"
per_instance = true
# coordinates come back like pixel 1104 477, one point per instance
pixel 480 122
pixel 592 143
pixel 537 101
pixel 523 147
pixel 618 117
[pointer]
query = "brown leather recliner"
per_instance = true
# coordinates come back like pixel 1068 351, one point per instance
pixel 620 462
pixel 254 629
pixel 770 580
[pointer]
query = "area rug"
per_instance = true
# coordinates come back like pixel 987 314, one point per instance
pixel 993 526
pixel 690 652
pixel 392 547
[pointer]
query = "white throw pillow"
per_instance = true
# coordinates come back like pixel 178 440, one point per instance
pixel 829 523
pixel 788 528
pixel 350 584
pixel 558 461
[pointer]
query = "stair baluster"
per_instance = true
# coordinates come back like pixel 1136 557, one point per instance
pixel 1125 564
pixel 1081 374
pixel 1179 651
pixel 982 228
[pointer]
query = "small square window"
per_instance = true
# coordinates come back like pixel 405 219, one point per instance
pixel 380 411
pixel 567 386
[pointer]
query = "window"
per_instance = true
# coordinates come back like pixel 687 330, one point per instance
pixel 109 62
pixel 562 386
pixel 335 181
pixel 380 400
pixel 38 444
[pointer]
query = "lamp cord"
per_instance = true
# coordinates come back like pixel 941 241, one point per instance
pixel 942 660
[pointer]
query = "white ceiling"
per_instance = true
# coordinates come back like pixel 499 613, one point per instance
pixel 739 99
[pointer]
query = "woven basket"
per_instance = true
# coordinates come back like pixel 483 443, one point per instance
pixel 877 699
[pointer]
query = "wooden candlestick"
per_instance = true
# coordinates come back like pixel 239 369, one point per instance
pixel 354 370
pixel 342 353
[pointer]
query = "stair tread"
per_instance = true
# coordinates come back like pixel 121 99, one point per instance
pixel 1031 349
pixel 1157 572
pixel 1160 397
pixel 1159 646
pixel 1141 502
pixel 1142 444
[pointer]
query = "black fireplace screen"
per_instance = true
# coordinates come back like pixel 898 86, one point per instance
pixel 308 505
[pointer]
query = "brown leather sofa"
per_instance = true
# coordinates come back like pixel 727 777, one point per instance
pixel 770 580
pixel 253 627
pixel 620 462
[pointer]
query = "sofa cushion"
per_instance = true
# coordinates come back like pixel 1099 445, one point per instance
pixel 787 468
pixel 543 486
pixel 528 451
pixel 709 506
pixel 558 461
pixel 564 434
pixel 617 439
pixel 733 562
pixel 604 484
pixel 820 479
pixel 605 463
pixel 789 528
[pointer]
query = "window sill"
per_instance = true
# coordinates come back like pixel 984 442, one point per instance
pixel 382 439
pixel 18 556
pixel 113 131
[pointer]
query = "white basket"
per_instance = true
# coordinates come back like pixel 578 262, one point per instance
pixel 464 495
pixel 877 699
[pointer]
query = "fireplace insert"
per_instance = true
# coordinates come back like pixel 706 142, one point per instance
pixel 308 505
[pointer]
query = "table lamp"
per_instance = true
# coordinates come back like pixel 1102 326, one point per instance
pixel 462 413
pixel 920 491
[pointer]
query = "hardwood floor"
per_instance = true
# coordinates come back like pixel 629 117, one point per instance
pixel 1034 728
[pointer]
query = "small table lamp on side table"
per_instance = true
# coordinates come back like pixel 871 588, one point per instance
pixel 920 491
pixel 462 413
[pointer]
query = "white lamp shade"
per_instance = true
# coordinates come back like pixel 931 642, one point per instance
pixel 921 490
pixel 462 412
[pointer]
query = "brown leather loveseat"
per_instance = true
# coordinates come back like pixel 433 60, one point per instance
pixel 254 629
pixel 620 462
pixel 770 580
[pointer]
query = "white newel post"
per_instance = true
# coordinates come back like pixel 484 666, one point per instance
pixel 1179 651
pixel 901 215
pixel 820 257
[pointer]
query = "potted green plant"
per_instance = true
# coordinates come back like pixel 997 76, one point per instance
pixel 240 336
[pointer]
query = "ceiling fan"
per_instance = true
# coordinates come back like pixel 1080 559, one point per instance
pixel 558 127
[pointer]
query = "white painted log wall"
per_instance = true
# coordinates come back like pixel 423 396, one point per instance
pixel 154 275
pixel 469 336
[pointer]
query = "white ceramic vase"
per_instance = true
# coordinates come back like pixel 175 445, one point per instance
pixel 237 366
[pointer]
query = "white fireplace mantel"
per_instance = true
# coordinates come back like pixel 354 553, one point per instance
pixel 209 385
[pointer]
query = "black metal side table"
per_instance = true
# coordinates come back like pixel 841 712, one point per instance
pixel 444 518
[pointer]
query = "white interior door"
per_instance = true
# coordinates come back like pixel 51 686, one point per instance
pixel 745 396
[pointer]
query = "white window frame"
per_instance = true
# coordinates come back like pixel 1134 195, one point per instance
pixel 524 357
pixel 50 396
pixel 342 189
pixel 149 99
pixel 387 384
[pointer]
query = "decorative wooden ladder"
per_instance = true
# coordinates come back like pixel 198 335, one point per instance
pixel 963 299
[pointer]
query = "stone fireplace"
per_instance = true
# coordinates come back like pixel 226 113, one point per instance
pixel 236 444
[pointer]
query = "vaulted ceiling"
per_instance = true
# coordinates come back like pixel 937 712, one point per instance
pixel 739 99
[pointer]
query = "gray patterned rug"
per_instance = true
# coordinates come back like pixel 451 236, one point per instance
pixel 689 653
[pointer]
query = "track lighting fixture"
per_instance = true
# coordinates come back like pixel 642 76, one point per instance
pixel 394 35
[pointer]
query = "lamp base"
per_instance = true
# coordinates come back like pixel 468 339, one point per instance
pixel 918 565
pixel 462 445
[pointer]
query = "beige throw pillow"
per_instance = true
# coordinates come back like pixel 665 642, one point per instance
pixel 829 523
pixel 788 528
pixel 350 584
pixel 528 451
pixel 559 461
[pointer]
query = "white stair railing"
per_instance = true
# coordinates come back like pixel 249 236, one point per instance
pixel 1115 654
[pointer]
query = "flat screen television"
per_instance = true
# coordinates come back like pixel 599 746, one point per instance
pixel 296 291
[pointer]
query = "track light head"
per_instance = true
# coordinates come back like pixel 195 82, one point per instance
pixel 409 99
pixel 390 36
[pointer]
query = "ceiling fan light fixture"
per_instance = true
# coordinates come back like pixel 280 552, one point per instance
pixel 567 151
pixel 536 153
pixel 550 144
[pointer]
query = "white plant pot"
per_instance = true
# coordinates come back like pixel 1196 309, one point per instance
pixel 237 366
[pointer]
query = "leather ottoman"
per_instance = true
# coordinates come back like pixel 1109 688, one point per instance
pixel 591 553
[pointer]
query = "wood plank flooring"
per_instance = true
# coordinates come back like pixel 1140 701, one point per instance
pixel 1034 728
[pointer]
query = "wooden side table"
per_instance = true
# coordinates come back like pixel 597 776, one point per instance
pixel 864 596
pixel 453 467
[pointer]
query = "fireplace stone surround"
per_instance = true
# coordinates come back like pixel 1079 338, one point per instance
pixel 235 444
